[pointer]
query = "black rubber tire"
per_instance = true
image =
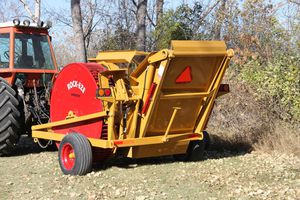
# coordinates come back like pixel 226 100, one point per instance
pixel 180 157
pixel 195 151
pixel 83 154
pixel 206 140
pixel 10 118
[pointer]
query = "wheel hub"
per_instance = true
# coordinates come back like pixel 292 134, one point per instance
pixel 68 156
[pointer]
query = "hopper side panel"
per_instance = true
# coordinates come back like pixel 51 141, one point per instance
pixel 202 72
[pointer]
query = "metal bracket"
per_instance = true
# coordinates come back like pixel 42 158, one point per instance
pixel 165 138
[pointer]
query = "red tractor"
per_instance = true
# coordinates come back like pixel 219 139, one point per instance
pixel 27 71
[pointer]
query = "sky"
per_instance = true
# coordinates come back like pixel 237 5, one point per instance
pixel 65 6
pixel 58 4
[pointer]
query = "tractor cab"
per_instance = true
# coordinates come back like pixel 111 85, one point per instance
pixel 26 53
pixel 27 72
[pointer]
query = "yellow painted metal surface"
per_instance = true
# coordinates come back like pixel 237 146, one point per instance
pixel 177 111
pixel 170 148
pixel 118 143
pixel 68 121
pixel 198 48
pixel 117 56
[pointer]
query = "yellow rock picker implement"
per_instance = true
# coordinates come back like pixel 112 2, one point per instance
pixel 101 108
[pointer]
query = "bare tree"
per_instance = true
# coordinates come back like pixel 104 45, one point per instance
pixel 78 30
pixel 159 10
pixel 297 2
pixel 220 19
pixel 90 20
pixel 159 15
pixel 9 10
pixel 37 10
pixel 141 24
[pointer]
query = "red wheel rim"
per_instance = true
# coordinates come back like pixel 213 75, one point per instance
pixel 68 156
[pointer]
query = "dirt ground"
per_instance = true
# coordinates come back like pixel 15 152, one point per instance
pixel 34 174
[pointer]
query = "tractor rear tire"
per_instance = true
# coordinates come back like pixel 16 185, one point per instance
pixel 10 118
pixel 75 155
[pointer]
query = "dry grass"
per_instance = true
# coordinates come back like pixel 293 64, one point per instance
pixel 284 138
pixel 241 122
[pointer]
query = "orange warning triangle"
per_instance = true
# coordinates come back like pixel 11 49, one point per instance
pixel 185 76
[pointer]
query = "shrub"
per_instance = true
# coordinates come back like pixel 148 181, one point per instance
pixel 278 82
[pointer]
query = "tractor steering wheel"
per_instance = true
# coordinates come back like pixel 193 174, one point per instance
pixel 6 55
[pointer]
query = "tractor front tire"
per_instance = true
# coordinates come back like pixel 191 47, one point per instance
pixel 75 154
pixel 10 118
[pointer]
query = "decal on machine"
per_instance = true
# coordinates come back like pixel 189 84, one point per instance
pixel 76 84
pixel 160 71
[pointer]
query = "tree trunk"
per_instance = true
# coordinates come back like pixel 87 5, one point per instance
pixel 159 11
pixel 37 11
pixel 220 20
pixel 159 16
pixel 78 30
pixel 141 25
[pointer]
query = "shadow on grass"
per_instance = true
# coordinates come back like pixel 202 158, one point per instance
pixel 216 150
pixel 128 163
pixel 221 144
pixel 26 146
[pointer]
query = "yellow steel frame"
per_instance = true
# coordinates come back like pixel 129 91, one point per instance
pixel 67 121
pixel 134 134
pixel 118 143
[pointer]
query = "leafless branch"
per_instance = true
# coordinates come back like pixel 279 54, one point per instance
pixel 134 11
pixel 149 18
pixel 295 2
pixel 134 3
pixel 278 6
pixel 27 8
pixel 58 15
pixel 37 10
pixel 208 11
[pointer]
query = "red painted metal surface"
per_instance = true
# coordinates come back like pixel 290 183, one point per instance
pixel 185 76
pixel 75 90
pixel 67 156
pixel 149 97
